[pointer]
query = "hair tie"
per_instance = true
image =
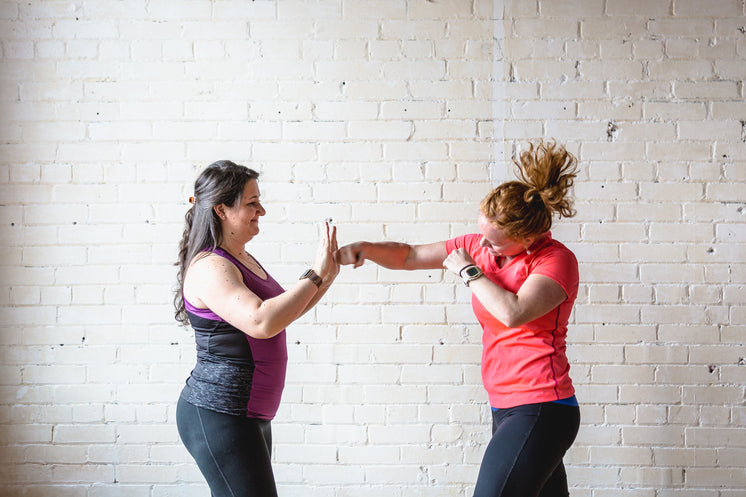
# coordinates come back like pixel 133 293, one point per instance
pixel 531 195
pixel 191 200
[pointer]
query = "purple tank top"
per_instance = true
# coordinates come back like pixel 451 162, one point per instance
pixel 236 373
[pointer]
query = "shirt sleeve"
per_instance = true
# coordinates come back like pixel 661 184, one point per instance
pixel 559 264
pixel 469 242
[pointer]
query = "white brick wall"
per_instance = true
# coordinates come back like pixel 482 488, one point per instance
pixel 393 117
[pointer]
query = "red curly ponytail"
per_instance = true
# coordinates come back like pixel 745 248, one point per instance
pixel 525 208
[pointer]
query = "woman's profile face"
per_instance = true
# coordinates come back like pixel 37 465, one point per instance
pixel 242 220
pixel 496 241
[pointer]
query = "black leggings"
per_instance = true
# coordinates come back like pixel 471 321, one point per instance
pixel 232 452
pixel 524 457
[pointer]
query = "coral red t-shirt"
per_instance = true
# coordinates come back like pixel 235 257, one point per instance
pixel 525 365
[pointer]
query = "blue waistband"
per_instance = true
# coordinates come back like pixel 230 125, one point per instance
pixel 570 401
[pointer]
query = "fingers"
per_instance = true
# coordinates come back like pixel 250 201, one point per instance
pixel 446 262
pixel 327 256
pixel 349 254
pixel 456 260
pixel 334 245
pixel 325 238
pixel 343 256
pixel 331 236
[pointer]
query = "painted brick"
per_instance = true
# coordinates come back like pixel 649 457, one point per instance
pixel 394 118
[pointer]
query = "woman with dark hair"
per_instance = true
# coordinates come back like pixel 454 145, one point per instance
pixel 239 314
pixel 523 284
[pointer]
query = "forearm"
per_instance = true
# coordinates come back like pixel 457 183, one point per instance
pixel 391 255
pixel 499 302
pixel 319 294
pixel 537 296
pixel 275 314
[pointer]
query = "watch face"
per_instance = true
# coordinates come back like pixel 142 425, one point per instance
pixel 472 271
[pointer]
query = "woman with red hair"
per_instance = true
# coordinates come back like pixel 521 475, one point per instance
pixel 523 284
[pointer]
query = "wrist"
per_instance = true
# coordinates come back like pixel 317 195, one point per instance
pixel 314 276
pixel 320 272
pixel 461 271
pixel 470 273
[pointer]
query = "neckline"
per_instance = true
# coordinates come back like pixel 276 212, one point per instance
pixel 235 260
pixel 533 248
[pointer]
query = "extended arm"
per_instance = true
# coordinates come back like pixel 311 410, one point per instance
pixel 393 255
pixel 217 284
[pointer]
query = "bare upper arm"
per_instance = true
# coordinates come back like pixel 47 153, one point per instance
pixel 538 295
pixel 428 256
pixel 215 283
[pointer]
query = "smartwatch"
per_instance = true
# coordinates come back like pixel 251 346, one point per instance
pixel 311 275
pixel 470 273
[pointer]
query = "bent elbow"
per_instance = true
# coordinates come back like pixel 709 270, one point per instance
pixel 262 332
pixel 260 329
pixel 513 320
pixel 264 324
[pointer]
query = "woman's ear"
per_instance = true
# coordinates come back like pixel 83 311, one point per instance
pixel 220 210
pixel 527 242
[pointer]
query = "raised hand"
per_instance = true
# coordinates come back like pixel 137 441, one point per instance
pixel 325 264
pixel 333 247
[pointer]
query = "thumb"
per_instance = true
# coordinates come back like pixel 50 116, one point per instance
pixel 359 259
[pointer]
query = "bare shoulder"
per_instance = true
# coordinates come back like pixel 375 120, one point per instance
pixel 206 262
pixel 207 272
